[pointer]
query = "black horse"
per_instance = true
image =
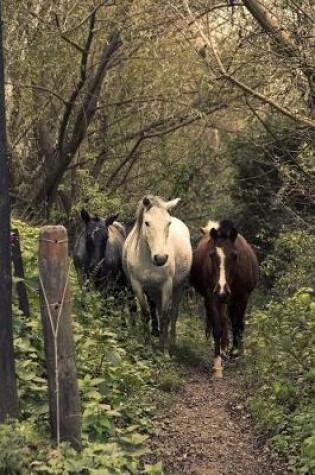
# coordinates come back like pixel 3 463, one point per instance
pixel 97 258
pixel 97 254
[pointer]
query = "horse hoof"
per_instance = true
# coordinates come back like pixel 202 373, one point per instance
pixel 234 353
pixel 147 340
pixel 224 355
pixel 155 332
pixel 218 373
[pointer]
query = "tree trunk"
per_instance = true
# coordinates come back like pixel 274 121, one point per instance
pixel 8 392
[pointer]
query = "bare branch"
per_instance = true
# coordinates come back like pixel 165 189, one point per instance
pixel 81 82
pixel 44 89
pixel 125 161
pixel 66 39
pixel 88 17
pixel 304 121
pixel 88 107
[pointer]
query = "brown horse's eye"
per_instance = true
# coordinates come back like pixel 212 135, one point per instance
pixel 234 255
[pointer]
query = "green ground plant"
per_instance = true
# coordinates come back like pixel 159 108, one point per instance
pixel 122 382
pixel 280 357
pixel 117 376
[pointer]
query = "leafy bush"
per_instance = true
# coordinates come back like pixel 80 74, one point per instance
pixel 289 264
pixel 281 367
pixel 115 379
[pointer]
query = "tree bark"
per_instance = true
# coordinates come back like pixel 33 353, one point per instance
pixel 8 392
pixel 286 43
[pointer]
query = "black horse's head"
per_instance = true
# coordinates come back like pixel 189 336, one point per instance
pixel 96 237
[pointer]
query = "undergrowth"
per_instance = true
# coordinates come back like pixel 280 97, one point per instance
pixel 124 385
pixel 118 377
pixel 280 358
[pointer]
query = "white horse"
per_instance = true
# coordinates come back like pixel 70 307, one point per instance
pixel 157 258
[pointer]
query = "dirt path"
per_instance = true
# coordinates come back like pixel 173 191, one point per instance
pixel 209 432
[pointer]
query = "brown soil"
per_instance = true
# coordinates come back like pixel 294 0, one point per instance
pixel 208 431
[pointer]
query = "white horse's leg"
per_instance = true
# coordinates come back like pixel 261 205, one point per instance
pixel 166 296
pixel 145 310
pixel 174 314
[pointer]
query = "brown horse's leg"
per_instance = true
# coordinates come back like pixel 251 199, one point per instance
pixel 224 328
pixel 213 318
pixel 237 316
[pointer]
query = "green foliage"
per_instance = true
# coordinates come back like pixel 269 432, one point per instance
pixel 291 254
pixel 281 366
pixel 116 380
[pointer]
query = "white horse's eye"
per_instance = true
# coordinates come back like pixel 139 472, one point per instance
pixel 147 223
pixel 169 223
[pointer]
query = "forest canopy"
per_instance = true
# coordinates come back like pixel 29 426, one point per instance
pixel 179 98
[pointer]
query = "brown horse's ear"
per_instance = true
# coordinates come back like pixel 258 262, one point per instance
pixel 213 233
pixel 203 231
pixel 111 218
pixel 233 234
pixel 147 203
pixel 85 215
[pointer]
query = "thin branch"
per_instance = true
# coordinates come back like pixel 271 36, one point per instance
pixel 66 39
pixel 88 107
pixel 81 82
pixel 125 161
pixel 44 89
pixel 145 134
pixel 88 17
pixel 216 7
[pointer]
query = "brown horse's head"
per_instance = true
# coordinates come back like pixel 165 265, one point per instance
pixel 223 257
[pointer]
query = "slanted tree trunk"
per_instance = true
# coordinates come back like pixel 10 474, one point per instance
pixel 84 97
pixel 287 44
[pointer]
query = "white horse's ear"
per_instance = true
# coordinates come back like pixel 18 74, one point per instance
pixel 147 203
pixel 204 231
pixel 171 204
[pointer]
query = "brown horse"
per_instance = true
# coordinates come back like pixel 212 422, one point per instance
pixel 224 272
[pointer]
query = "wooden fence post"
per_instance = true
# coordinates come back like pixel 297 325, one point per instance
pixel 64 400
pixel 19 272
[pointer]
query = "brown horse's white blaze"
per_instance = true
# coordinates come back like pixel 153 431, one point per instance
pixel 224 272
pixel 221 287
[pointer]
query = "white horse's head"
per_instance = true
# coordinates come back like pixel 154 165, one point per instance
pixel 154 225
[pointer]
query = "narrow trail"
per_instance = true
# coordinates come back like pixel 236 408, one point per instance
pixel 209 432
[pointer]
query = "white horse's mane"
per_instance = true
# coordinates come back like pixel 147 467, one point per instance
pixel 155 201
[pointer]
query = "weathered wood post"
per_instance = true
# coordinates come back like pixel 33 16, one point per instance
pixel 8 392
pixel 64 401
pixel 19 272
